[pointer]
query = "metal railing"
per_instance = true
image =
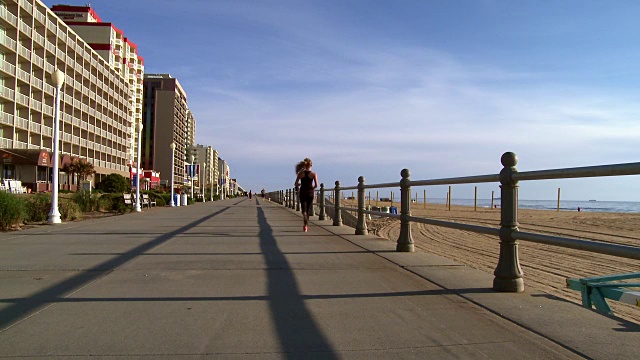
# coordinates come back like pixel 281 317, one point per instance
pixel 508 274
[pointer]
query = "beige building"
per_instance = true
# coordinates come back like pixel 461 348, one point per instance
pixel 117 50
pixel 207 158
pixel 165 119
pixel 95 108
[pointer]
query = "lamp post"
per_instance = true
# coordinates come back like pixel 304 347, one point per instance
pixel 139 130
pixel 173 153
pixel 191 177
pixel 54 215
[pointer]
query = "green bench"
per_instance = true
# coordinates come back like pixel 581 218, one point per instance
pixel 596 290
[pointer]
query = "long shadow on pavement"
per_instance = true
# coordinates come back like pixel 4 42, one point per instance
pixel 297 331
pixel 25 306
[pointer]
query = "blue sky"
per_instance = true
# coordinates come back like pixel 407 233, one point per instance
pixel 371 87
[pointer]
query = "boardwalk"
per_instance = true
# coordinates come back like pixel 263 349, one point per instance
pixel 238 279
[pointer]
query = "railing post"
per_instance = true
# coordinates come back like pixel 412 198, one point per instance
pixel 508 274
pixel 361 226
pixel 312 211
pixel 292 205
pixel 337 216
pixel 405 240
pixel 289 198
pixel 297 190
pixel 323 212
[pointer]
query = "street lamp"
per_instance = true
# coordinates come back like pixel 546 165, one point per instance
pixel 173 154
pixel 57 77
pixel 190 173
pixel 139 130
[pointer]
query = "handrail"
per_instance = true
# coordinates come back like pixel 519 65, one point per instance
pixel 508 274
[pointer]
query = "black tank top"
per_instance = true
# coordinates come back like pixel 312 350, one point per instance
pixel 306 183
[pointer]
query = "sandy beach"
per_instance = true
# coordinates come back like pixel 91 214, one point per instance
pixel 545 267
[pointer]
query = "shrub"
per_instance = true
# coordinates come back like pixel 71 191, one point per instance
pixel 114 183
pixel 69 210
pixel 37 207
pixel 160 201
pixel 11 211
pixel 105 202
pixel 166 199
pixel 84 200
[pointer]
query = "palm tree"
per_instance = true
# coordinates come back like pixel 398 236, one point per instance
pixel 84 168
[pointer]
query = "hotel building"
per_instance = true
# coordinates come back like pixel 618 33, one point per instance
pixel 207 157
pixel 166 120
pixel 117 50
pixel 95 107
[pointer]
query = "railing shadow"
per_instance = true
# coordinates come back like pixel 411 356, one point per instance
pixel 26 306
pixel 296 328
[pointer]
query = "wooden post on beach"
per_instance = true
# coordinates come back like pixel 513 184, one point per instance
pixel 405 240
pixel 425 198
pixel 369 198
pixel 376 198
pixel 353 197
pixel 508 274
pixel 323 213
pixel 558 199
pixel 391 198
pixel 337 216
pixel 361 226
pixel 449 198
pixel 475 199
pixel 446 202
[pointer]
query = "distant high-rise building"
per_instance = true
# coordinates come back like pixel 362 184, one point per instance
pixel 224 178
pixel 117 50
pixel 207 158
pixel 165 121
pixel 95 105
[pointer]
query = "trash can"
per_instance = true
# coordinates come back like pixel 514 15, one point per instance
pixel 176 199
pixel 184 199
pixel 393 210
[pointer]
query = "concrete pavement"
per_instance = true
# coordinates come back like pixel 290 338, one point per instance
pixel 238 279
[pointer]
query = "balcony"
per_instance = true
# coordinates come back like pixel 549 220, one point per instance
pixel 39 16
pixel 22 99
pixel 50 47
pixel 35 104
pixel 39 39
pixel 19 144
pixel 24 28
pixel 27 6
pixel 47 110
pixel 37 60
pixel 8 17
pixel 49 68
pixel 7 67
pixel 24 76
pixel 22 123
pixel 47 131
pixel 35 127
pixel 8 42
pixel 49 89
pixel 24 52
pixel 6 118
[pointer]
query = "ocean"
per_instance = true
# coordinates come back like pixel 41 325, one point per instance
pixel 567 205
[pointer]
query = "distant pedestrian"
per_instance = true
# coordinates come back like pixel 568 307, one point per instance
pixel 249 194
pixel 578 209
pixel 308 182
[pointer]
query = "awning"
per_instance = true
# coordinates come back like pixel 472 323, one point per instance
pixel 35 157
